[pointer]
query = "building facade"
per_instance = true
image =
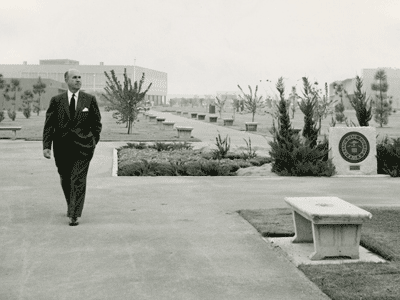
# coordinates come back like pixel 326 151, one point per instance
pixel 53 88
pixel 367 75
pixel 93 77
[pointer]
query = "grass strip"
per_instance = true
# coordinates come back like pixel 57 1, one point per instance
pixel 380 235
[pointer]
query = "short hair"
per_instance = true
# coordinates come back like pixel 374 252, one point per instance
pixel 66 75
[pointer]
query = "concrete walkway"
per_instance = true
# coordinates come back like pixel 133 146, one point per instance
pixel 151 238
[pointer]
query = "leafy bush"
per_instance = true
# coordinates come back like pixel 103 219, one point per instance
pixel 388 156
pixel 146 168
pixel 2 116
pixel 160 146
pixel 179 168
pixel 138 146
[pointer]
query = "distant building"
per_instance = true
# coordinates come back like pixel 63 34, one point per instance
pixel 53 88
pixel 93 78
pixel 367 75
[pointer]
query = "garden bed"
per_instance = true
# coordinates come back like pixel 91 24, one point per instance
pixel 179 159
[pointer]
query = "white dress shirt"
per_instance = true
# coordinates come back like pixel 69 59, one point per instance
pixel 76 98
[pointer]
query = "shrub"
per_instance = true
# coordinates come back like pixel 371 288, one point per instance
pixel 388 156
pixel 251 153
pixel 2 116
pixel 289 154
pixel 12 114
pixel 27 112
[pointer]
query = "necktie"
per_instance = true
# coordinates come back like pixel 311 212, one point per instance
pixel 72 107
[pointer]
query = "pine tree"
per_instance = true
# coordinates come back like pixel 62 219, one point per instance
pixel 383 106
pixel 360 104
pixel 126 100
pixel 308 106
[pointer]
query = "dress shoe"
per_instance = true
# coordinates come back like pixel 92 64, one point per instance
pixel 73 222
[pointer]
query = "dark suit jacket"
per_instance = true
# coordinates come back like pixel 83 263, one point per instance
pixel 81 134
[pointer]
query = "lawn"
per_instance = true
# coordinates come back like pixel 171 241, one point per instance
pixel 265 120
pixel 365 281
pixel 143 130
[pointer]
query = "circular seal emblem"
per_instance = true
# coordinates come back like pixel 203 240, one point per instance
pixel 354 147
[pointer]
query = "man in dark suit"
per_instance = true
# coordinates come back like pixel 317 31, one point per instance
pixel 73 126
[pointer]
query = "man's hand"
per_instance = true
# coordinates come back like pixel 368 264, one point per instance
pixel 47 153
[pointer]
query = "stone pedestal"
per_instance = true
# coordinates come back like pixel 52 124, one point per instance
pixel 251 126
pixel 168 125
pixel 160 122
pixel 184 132
pixel 353 150
pixel 213 119
pixel 228 122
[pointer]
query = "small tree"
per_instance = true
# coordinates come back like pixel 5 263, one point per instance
pixel 293 98
pixel 383 106
pixel 126 100
pixel 324 106
pixel 39 88
pixel 220 103
pixel 360 104
pixel 308 106
pixel 11 90
pixel 27 99
pixel 252 102
pixel 339 108
pixel 2 85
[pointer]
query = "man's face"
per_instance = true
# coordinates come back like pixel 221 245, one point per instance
pixel 74 80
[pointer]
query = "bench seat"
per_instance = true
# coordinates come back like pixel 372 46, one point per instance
pixel 11 128
pixel 332 224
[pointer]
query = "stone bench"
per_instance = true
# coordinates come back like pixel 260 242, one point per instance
pixel 178 112
pixel 193 115
pixel 160 121
pixel 228 122
pixel 332 224
pixel 213 119
pixel 184 132
pixel 185 113
pixel 12 128
pixel 201 116
pixel 251 126
pixel 152 118
pixel 168 125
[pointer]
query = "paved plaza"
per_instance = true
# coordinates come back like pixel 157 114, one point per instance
pixel 153 237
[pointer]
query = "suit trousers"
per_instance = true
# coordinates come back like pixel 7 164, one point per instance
pixel 73 169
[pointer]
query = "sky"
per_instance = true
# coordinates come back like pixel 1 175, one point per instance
pixel 207 46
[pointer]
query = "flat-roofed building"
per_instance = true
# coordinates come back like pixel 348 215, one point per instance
pixel 93 77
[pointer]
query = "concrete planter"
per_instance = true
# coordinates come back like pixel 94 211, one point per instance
pixel 251 126
pixel 152 118
pixel 201 117
pixel 213 119
pixel 228 122
pixel 168 125
pixel 184 132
